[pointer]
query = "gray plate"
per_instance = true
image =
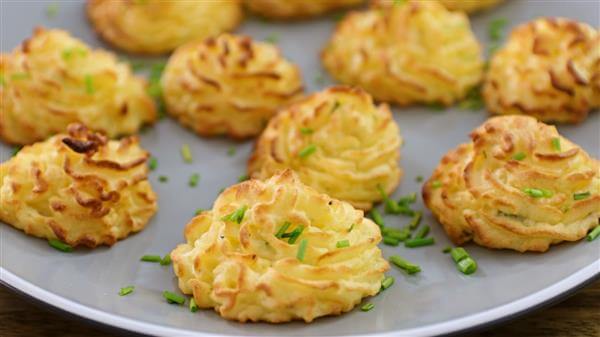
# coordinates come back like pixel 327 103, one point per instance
pixel 438 300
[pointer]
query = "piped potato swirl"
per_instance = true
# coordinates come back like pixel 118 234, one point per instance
pixel 518 185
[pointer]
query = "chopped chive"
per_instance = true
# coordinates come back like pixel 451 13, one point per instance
pixel 408 199
pixel 231 151
pixel 367 307
pixel 126 290
pixel 458 254
pixel 173 298
pixel 420 242
pixel 306 131
pixel 186 153
pixel 555 143
pixel 198 211
pixel 342 244
pixel 436 106
pixel 243 177
pixel 68 53
pixel 163 179
pixel 338 16
pixel 495 28
pixel 447 250
pixel 399 235
pixel 390 205
pixel 473 100
pixel 351 228
pixel 387 282
pixel 302 250
pixel 416 220
pixel 404 264
pixel 152 163
pixel 236 216
pixel 581 196
pixel 467 266
pixel 307 151
pixel 399 2
pixel 16 150
pixel 593 234
pixel 52 10
pixel 419 179
pixel 193 181
pixel 273 39
pixel 2 79
pixel 422 232
pixel 336 105
pixel 59 245
pixel 374 214
pixel 166 260
pixel 538 193
pixel 19 76
pixel 151 258
pixel 436 184
pixel 295 234
pixel 390 241
pixel 519 156
pixel 89 84
pixel 193 305
pixel 282 229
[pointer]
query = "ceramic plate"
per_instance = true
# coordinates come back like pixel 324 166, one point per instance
pixel 438 300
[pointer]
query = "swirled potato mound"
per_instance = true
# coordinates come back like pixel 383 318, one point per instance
pixel 269 251
pixel 53 80
pixel 296 9
pixel 417 52
pixel 158 26
pixel 228 85
pixel 549 69
pixel 338 142
pixel 78 187
pixel 518 185
pixel 468 6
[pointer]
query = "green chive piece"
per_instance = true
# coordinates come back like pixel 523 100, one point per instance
pixel 390 205
pixel 399 235
pixel 495 28
pixel 555 143
pixel 198 211
pixel 387 282
pixel 306 131
pixel 237 215
pixel 282 229
pixel 399 2
pixel 294 235
pixel 422 232
pixel 374 214
pixel 186 153
pixel 173 298
pixel 89 84
pixel 403 264
pixel 447 250
pixel 16 150
pixel 307 151
pixel 594 234
pixel 163 179
pixel 367 307
pixel 419 179
pixel 338 16
pixel 351 228
pixel 243 177
pixel 538 193
pixel 126 290
pixel 436 106
pixel 581 196
pixel 473 100
pixel 68 53
pixel 2 79
pixel 458 254
pixel 408 199
pixel 467 266
pixel 193 305
pixel 420 242
pixel 390 241
pixel 152 163
pixel 519 156
pixel 336 105
pixel 273 39
pixel 302 250
pixel 342 244
pixel 166 260
pixel 231 151
pixel 19 76
pixel 151 258
pixel 59 245
pixel 193 181
pixel 436 184
pixel 416 220
pixel 52 10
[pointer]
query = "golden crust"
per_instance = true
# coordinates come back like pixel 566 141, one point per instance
pixel 53 80
pixel 417 52
pixel 468 6
pixel 79 188
pixel 228 85
pixel 560 79
pixel 296 9
pixel 357 146
pixel 156 26
pixel 246 273
pixel 478 190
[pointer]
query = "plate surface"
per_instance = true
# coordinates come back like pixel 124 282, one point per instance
pixel 437 300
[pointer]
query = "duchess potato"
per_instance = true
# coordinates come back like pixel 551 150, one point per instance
pixel 228 85
pixel 549 69
pixel 80 188
pixel 338 142
pixel 296 9
pixel 53 79
pixel 517 185
pixel 158 26
pixel 416 52
pixel 269 251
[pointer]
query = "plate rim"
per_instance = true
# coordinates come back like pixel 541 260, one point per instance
pixel 461 324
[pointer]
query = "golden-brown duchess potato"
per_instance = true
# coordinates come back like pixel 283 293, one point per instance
pixel 80 188
pixel 243 259
pixel 467 6
pixel 338 142
pixel 416 52
pixel 549 69
pixel 158 26
pixel 296 9
pixel 518 185
pixel 228 85
pixel 53 79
